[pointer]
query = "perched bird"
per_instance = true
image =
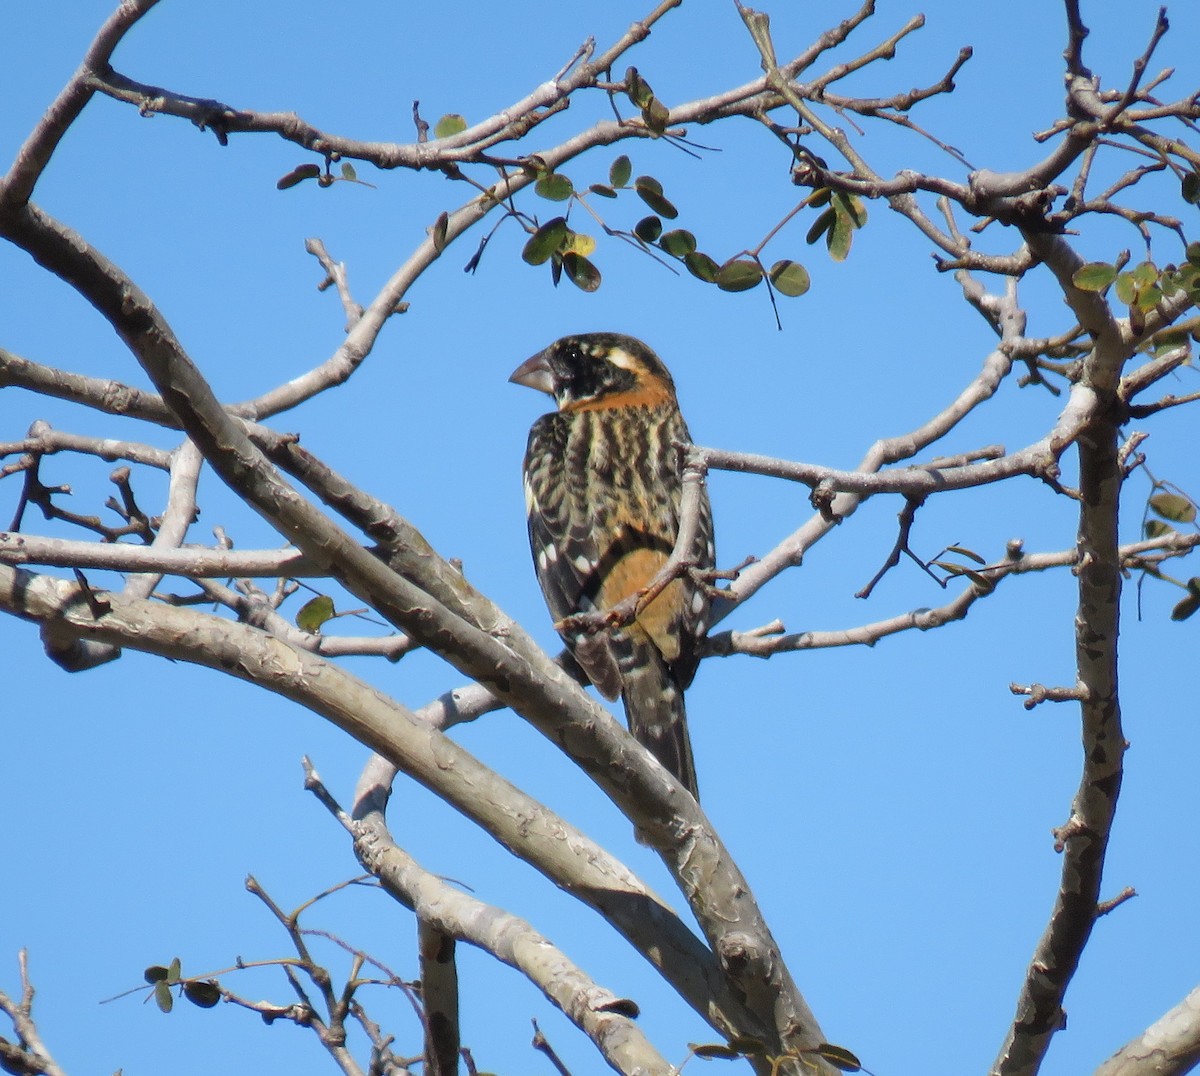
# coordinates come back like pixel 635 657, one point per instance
pixel 603 484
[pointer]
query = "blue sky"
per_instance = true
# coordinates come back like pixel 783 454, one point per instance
pixel 891 807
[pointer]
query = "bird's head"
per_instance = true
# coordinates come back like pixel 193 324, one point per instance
pixel 597 370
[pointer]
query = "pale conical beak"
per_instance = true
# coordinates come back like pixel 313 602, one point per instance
pixel 535 373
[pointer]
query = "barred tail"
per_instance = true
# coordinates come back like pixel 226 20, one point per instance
pixel 656 714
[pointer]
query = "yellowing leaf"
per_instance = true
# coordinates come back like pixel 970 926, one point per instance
pixel 580 244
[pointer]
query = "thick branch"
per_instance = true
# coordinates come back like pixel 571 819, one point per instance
pixel 1168 1047
pixel 548 843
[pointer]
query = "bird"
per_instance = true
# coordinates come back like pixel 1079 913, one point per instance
pixel 603 478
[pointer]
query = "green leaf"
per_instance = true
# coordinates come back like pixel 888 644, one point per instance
pixel 839 1057
pixel 173 970
pixel 650 191
pixel 656 115
pixel 970 554
pixel 1126 288
pixel 555 187
pixel 789 278
pixel 1193 253
pixel 155 973
pixel 821 225
pixel 621 1006
pixel 438 232
pixel 204 993
pixel 348 172
pixel 545 241
pixel 620 171
pixel 603 190
pixel 1095 276
pixel 298 175
pixel 637 88
pixel 714 1050
pixel 1190 187
pixel 648 229
pixel 1169 341
pixel 1156 528
pixel 1149 298
pixel 314 613
pixel 702 267
pixel 739 275
pixel 851 207
pixel 1173 506
pixel 162 996
pixel 450 124
pixel 1187 606
pixel 583 274
pixel 747 1044
pixel 1145 274
pixel 839 237
pixel 1188 276
pixel 677 243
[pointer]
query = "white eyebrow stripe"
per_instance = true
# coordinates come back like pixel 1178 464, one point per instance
pixel 620 357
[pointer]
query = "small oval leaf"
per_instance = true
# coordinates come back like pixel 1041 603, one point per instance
pixel 450 124
pixel 677 243
pixel 1173 506
pixel 583 274
pixel 1095 276
pixel 1145 274
pixel 650 191
pixel 202 992
pixel 1190 187
pixel 579 243
pixel 622 1006
pixel 839 237
pixel 851 207
pixel 714 1050
pixel 739 275
pixel 1186 607
pixel 821 225
pixel 554 187
pixel 162 996
pixel 314 613
pixel 620 171
pixel 637 88
pixel 348 172
pixel 438 232
pixel 656 115
pixel 789 278
pixel 648 229
pixel 156 973
pixel 545 241
pixel 702 267
pixel 603 190
pixel 298 175
pixel 839 1057
pixel 1152 528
